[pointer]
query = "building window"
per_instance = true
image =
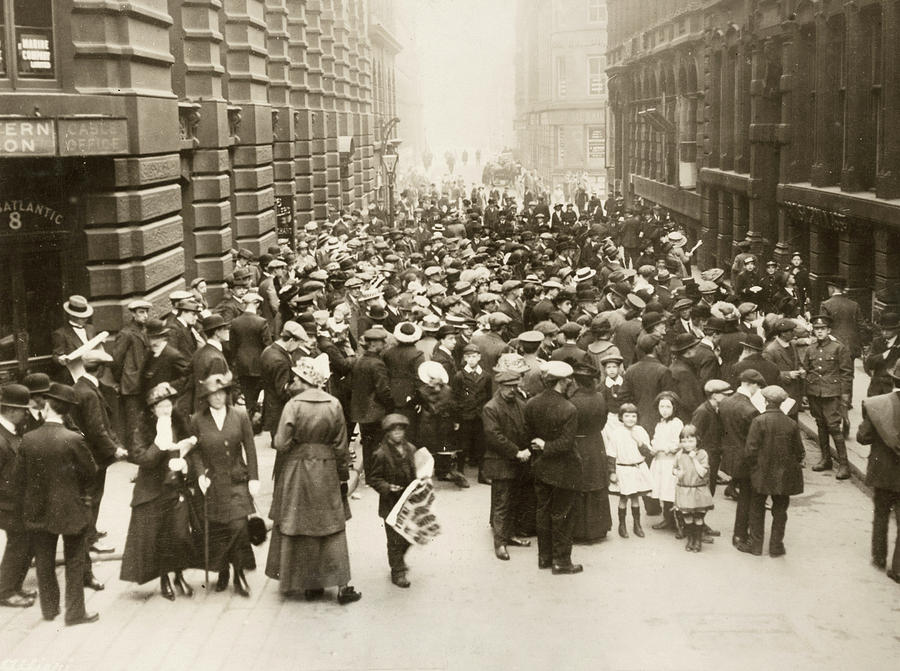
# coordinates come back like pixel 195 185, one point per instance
pixel 595 75
pixel 595 11
pixel 561 84
pixel 560 145
pixel 26 40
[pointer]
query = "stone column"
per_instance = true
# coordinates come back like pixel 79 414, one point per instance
pixel 727 96
pixel 742 78
pixel 329 103
pixel 740 220
pixel 726 226
pixel 316 116
pixel 300 114
pixel 206 190
pixel 712 107
pixel 823 262
pixel 857 149
pixel 888 179
pixel 827 73
pixel 856 265
pixel 886 270
pixel 709 226
pixel 789 156
pixel 366 109
pixel 765 113
pixel 279 71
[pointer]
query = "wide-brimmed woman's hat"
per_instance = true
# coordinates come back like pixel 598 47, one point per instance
pixel 77 306
pixel 432 371
pixel 160 392
pixel 214 383
pixel 315 371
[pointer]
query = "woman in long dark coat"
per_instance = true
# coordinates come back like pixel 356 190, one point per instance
pixel 308 550
pixel 159 535
pixel 224 462
pixel 593 519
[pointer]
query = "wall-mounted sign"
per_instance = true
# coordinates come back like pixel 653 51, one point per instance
pixel 35 53
pixel 596 143
pixel 23 216
pixel 31 137
pixel 79 137
pixel 284 218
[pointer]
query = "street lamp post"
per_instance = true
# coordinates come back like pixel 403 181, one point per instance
pixel 390 166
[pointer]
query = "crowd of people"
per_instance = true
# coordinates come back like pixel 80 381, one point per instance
pixel 556 355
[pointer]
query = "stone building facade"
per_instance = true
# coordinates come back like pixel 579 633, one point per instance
pixel 773 120
pixel 561 89
pixel 140 142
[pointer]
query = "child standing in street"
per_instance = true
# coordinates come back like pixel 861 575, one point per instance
pixel 664 447
pixel 626 444
pixel 393 468
pixel 692 497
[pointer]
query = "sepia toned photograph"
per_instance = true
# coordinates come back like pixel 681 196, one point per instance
pixel 449 335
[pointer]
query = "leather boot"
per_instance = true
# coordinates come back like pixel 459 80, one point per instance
pixel 689 532
pixel 679 524
pixel 825 461
pixel 666 522
pixel 698 538
pixel 240 583
pixel 636 514
pixel 182 586
pixel 843 469
pixel 165 587
pixel 623 529
pixel 222 582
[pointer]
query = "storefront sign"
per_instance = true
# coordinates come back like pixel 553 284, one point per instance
pixel 28 216
pixel 596 143
pixel 35 55
pixel 30 137
pixel 79 137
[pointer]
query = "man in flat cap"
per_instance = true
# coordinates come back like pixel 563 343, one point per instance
pixel 492 343
pixel 883 355
pixel 507 452
pixel 775 456
pixel 371 398
pixel 783 352
pixel 511 306
pixel 829 381
pixel 248 337
pixel 881 416
pixel 551 421
pixel 275 364
pixel 737 412
pixel 129 354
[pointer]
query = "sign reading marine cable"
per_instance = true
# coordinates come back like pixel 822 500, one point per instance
pixel 86 136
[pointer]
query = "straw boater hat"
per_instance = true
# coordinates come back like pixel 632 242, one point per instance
pixel 407 332
pixel 432 371
pixel 77 306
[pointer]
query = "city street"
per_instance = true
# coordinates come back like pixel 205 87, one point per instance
pixel 640 603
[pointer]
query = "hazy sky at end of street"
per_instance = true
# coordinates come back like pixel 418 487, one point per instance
pixel 466 50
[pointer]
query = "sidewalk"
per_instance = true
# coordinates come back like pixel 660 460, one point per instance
pixel 857 455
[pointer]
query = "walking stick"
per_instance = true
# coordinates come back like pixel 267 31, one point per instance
pixel 206 541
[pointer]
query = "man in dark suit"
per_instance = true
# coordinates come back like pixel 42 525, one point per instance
pixel 846 318
pixel 883 355
pixel 511 306
pixel 209 359
pixel 551 421
pixel 684 376
pixel 782 351
pixel 402 361
pixel 14 404
pixel 164 363
pixel 183 334
pixel 737 412
pixel 443 351
pixel 93 417
pixel 752 357
pixel 644 380
pixel 275 372
pixel 569 351
pixel 371 398
pixel 506 459
pixel 72 335
pixel 249 336
pixel 129 353
pixel 631 238
pixel 881 416
pixel 55 471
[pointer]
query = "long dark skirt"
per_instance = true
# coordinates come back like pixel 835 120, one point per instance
pixel 593 519
pixel 308 562
pixel 160 540
pixel 229 544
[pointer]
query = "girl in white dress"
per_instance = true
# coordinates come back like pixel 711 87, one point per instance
pixel 626 444
pixel 664 447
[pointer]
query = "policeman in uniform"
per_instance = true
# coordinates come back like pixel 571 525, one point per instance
pixel 829 379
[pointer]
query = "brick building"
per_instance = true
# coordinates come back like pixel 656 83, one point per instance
pixel 140 142
pixel 769 119
pixel 560 95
